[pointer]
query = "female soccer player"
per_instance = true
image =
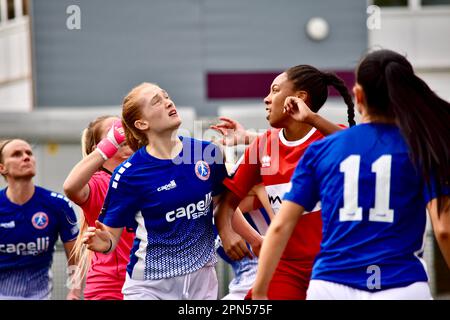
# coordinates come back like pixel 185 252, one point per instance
pixel 86 185
pixel 375 182
pixel 31 219
pixel 165 192
pixel 295 96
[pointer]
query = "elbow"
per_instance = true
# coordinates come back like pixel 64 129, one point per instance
pixel 69 190
pixel 278 229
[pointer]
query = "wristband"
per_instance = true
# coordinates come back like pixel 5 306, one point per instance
pixel 110 246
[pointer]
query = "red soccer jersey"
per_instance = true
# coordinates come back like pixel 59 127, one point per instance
pixel 271 160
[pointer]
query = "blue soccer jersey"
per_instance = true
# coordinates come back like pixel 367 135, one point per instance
pixel 28 234
pixel 169 204
pixel 373 207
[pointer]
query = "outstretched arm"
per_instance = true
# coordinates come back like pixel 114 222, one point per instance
pixel 277 236
pixel 299 111
pixel 441 225
pixel 233 132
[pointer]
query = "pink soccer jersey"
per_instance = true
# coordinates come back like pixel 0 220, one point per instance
pixel 106 275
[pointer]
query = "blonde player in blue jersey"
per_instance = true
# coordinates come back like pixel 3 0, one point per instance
pixel 165 192
pixel 375 182
pixel 31 220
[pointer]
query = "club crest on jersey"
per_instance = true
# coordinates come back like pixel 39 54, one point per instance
pixel 265 161
pixel 40 220
pixel 202 170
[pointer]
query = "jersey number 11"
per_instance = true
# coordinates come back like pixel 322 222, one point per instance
pixel 382 169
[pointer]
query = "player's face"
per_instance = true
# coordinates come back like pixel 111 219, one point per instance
pixel 18 160
pixel 124 151
pixel 159 112
pixel 280 89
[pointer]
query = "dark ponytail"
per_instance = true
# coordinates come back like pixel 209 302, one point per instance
pixel 394 91
pixel 333 80
pixel 315 83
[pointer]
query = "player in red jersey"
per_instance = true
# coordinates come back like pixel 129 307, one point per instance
pixel 295 97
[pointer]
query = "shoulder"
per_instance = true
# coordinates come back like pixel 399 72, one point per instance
pixel 192 142
pixel 129 166
pixel 55 198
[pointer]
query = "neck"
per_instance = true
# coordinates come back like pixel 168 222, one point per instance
pixel 367 118
pixel 164 146
pixel 20 191
pixel 296 131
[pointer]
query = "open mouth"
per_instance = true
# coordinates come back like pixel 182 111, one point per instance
pixel 172 113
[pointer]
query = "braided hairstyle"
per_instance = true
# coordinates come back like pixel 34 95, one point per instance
pixel 316 82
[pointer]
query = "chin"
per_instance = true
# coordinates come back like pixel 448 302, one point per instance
pixel 275 124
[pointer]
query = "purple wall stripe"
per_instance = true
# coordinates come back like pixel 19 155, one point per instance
pixel 254 85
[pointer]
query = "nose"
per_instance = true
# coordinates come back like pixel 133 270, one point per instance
pixel 169 103
pixel 267 100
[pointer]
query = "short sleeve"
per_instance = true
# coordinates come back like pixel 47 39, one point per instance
pixel 120 206
pixel 304 189
pixel 247 173
pixel 433 190
pixel 68 226
pixel 98 187
pixel 219 173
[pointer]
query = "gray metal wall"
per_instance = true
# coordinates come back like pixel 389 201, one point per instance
pixel 175 43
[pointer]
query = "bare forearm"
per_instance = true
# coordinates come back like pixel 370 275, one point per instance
pixel 225 209
pixel 277 237
pixel 77 180
pixel 244 229
pixel 270 254
pixel 322 124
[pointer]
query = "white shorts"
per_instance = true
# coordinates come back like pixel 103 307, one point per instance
pixel 326 290
pixel 238 289
pixel 199 285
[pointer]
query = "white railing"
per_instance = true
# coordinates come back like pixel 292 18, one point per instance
pixel 15 58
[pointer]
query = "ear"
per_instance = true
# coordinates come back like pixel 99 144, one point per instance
pixel 141 124
pixel 360 97
pixel 3 170
pixel 302 95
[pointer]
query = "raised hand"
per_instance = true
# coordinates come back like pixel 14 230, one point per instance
pixel 232 131
pixel 297 109
pixel 111 143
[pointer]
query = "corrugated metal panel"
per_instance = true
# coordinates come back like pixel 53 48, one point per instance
pixel 270 35
pixel 176 43
pixel 120 44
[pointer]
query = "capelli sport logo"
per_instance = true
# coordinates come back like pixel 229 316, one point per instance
pixel 40 220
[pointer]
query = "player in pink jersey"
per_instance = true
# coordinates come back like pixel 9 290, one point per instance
pixel 295 97
pixel 87 185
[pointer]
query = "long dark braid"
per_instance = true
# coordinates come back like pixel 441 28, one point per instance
pixel 315 83
pixel 333 80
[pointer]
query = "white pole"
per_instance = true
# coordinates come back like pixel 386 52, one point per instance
pixel 3 11
pixel 18 8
